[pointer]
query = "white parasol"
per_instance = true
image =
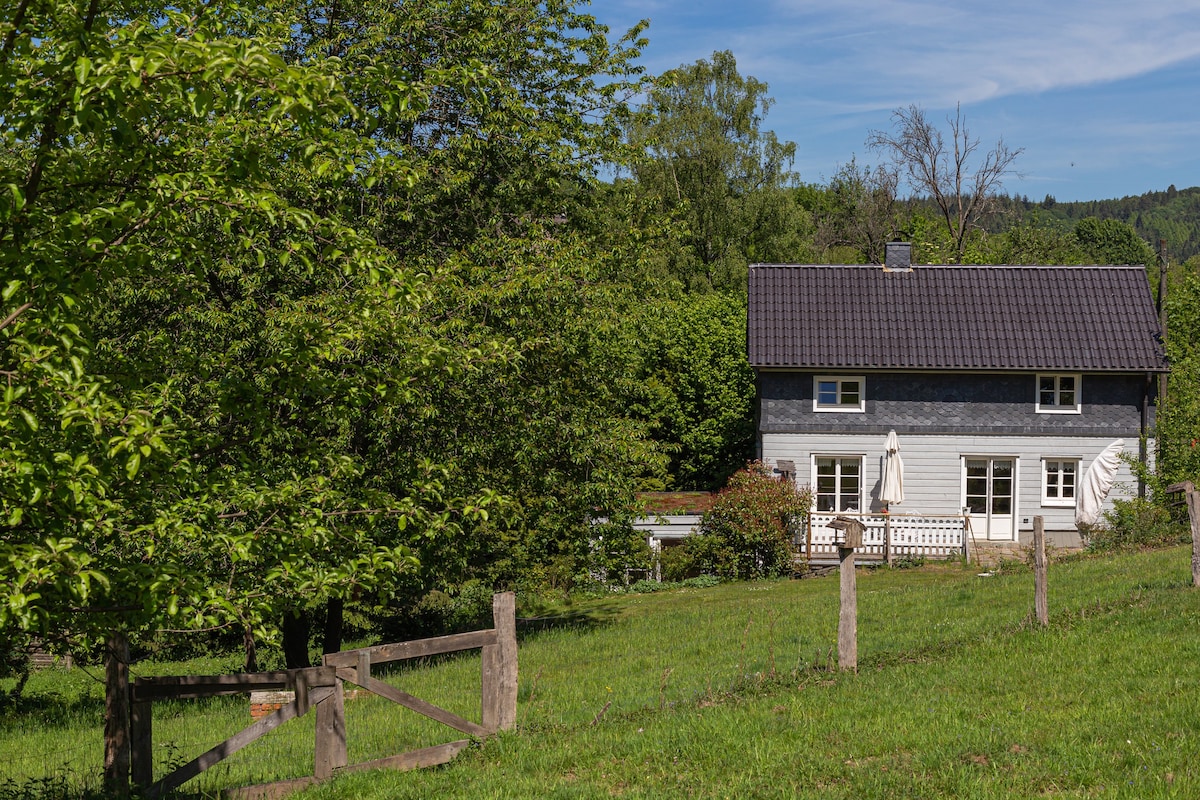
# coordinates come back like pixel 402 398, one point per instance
pixel 891 489
pixel 1097 483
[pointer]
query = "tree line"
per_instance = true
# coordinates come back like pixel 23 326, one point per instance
pixel 313 311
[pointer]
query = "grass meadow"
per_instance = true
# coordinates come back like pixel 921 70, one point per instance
pixel 731 691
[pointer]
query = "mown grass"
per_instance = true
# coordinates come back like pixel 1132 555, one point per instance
pixel 726 692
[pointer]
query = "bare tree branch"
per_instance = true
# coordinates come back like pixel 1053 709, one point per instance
pixel 963 195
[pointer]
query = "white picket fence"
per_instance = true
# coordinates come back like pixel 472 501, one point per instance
pixel 888 537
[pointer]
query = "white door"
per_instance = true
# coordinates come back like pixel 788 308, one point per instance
pixel 989 485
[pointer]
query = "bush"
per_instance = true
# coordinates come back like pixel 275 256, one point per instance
pixel 1133 524
pixel 748 532
pixel 616 549
pixel 649 587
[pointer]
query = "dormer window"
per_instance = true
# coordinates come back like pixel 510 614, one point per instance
pixel 839 393
pixel 1058 393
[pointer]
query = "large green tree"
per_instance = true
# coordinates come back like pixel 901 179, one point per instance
pixel 710 167
pixel 240 238
pixel 1110 241
pixel 696 389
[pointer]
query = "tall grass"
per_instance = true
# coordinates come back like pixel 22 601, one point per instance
pixel 725 691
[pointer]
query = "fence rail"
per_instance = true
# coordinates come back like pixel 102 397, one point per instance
pixel 321 688
pixel 889 536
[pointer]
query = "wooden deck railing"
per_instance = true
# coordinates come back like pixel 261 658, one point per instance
pixel 321 688
pixel 889 536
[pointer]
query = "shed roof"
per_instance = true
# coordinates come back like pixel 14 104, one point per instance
pixel 1092 318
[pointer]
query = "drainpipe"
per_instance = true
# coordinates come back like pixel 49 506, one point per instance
pixel 1143 455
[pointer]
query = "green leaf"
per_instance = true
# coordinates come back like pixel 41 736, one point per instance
pixel 83 68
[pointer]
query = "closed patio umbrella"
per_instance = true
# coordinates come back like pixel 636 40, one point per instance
pixel 891 489
pixel 1097 483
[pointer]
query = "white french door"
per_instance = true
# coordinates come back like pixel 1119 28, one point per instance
pixel 989 486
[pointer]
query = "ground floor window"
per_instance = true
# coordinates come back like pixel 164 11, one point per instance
pixel 839 483
pixel 1059 479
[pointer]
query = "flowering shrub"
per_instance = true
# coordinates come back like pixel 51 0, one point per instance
pixel 748 532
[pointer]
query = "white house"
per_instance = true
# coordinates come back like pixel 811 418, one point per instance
pixel 1002 384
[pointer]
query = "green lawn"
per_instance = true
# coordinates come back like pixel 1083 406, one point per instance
pixel 725 692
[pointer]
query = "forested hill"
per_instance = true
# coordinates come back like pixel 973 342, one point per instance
pixel 1173 216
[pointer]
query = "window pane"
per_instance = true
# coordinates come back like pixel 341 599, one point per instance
pixel 1001 506
pixel 827 393
pixel 1066 398
pixel 1002 469
pixel 850 393
pixel 978 505
pixel 1052 480
pixel 1066 383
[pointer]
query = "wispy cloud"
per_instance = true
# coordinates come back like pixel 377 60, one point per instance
pixel 940 52
pixel 1100 93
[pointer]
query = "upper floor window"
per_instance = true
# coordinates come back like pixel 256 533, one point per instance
pixel 833 393
pixel 1058 394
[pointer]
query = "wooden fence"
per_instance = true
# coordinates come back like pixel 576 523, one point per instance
pixel 321 688
pixel 889 536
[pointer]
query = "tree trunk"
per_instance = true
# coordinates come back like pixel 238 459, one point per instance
pixel 251 664
pixel 334 617
pixel 295 640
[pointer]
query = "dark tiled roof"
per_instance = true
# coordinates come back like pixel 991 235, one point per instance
pixel 985 318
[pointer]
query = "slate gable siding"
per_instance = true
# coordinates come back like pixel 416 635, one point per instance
pixel 952 403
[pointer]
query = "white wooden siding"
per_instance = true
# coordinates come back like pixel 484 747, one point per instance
pixel 667 527
pixel 933 468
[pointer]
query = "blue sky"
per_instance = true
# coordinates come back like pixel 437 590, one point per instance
pixel 1103 96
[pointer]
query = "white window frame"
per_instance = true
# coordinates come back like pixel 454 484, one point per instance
pixel 839 404
pixel 1060 501
pixel 1056 407
pixel 838 494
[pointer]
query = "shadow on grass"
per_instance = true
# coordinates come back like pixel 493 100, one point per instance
pixel 595 615
pixel 47 708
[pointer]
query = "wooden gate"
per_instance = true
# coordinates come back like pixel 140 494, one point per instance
pixel 322 688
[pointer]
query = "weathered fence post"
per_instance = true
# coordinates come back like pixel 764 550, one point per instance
pixel 1039 571
pixel 500 667
pixel 330 743
pixel 852 530
pixel 1193 506
pixel 116 714
pixel 141 735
